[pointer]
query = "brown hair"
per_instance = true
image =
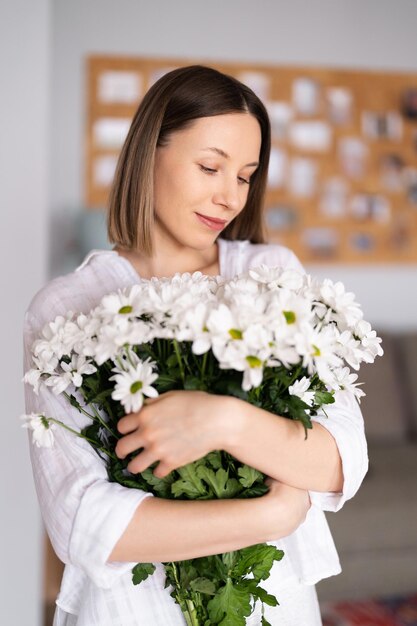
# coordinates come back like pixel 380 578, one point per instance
pixel 171 104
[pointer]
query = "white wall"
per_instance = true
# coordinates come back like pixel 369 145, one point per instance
pixel 24 60
pixel 343 33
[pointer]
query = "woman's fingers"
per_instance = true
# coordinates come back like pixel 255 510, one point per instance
pixel 129 444
pixel 141 462
pixel 128 423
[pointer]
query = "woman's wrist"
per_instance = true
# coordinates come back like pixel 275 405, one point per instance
pixel 231 423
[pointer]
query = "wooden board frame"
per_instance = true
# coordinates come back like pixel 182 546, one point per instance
pixel 385 228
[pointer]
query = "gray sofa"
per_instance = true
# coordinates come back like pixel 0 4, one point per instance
pixel 376 531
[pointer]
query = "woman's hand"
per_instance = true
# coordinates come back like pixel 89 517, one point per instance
pixel 176 428
pixel 284 505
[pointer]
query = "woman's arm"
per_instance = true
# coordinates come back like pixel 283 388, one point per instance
pixel 169 530
pixel 277 446
pixel 179 427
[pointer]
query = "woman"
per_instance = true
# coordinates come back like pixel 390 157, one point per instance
pixel 187 196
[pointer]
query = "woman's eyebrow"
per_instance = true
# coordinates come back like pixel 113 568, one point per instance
pixel 226 156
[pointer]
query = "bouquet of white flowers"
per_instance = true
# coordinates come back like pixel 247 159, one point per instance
pixel 275 338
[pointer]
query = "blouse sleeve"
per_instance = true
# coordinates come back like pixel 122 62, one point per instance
pixel 344 422
pixel 83 512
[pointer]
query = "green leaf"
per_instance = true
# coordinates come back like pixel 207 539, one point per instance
pixel 203 585
pixel 266 597
pixel 264 622
pixel 141 571
pixel 74 402
pixel 189 484
pixel 230 558
pixel 166 383
pixel 161 486
pixel 219 481
pixel 214 459
pixel 172 361
pixel 249 475
pixel 230 606
pixel 323 397
pixel 192 382
pixel 257 560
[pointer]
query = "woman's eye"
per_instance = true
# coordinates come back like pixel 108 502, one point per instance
pixel 208 170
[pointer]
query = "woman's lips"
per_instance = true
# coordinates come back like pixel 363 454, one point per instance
pixel 212 222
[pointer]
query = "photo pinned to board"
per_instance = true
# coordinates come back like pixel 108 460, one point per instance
pixel 311 136
pixel 278 166
pixel 370 207
pixel 120 87
pixel 353 156
pixel 387 125
pixel 409 103
pixel 339 103
pixel 362 242
pixel 281 114
pixel 110 132
pixel 104 167
pixel 259 82
pixel 157 73
pixel 282 217
pixel 321 242
pixel 334 198
pixel 392 168
pixel 400 238
pixel 410 178
pixel 302 177
pixel 306 96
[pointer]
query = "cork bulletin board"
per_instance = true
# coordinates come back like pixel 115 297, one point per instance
pixel 342 182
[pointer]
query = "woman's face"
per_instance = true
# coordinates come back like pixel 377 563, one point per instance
pixel 204 172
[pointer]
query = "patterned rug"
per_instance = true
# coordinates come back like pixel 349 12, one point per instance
pixel 392 611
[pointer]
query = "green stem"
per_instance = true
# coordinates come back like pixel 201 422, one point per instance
pixel 79 407
pixel 103 423
pixel 81 436
pixel 203 367
pixel 187 607
pixel 192 614
pixel 179 359
pixel 95 416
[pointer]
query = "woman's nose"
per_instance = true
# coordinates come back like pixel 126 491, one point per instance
pixel 228 194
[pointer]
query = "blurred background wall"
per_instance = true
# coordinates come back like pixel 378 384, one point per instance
pixel 25 55
pixel 43 46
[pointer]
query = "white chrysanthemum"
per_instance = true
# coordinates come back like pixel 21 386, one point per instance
pixel 42 435
pixel 133 381
pixel 253 373
pixel 240 290
pixel 350 349
pixel 343 308
pixel 318 350
pixel 33 377
pixel 301 388
pixel 107 344
pixel 70 374
pixel 222 324
pixel 193 328
pixel 288 311
pixel 369 341
pixel 52 344
pixel 126 302
pixel 236 355
pixel 345 380
pixel 275 277
pixel 78 367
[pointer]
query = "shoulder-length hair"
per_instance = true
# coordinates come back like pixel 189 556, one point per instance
pixel 171 104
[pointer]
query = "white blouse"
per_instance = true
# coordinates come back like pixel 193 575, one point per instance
pixel 85 514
